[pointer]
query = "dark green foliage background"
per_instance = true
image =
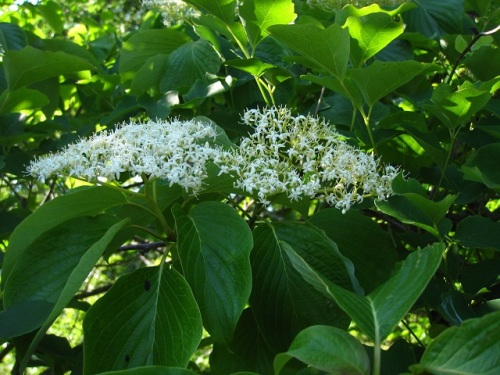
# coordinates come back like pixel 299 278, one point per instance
pixel 417 85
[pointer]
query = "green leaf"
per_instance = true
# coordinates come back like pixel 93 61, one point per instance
pixel 149 75
pixel 477 232
pixel 351 11
pixel 30 65
pixel 225 10
pixel 53 15
pixel 214 245
pixel 414 209
pixel 189 63
pixel 373 32
pixel 146 44
pixel 432 18
pixel 258 15
pixel 22 98
pixel 346 87
pixel 70 251
pixel 148 317
pixel 150 370
pixel 381 78
pixel 455 108
pixel 327 349
pixel 282 302
pixel 253 66
pixel 469 349
pixel 12 37
pixel 368 247
pixel 482 166
pixel 57 211
pixel 378 313
pixel 324 49
pixel 75 280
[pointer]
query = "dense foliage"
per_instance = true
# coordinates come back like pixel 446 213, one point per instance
pixel 282 187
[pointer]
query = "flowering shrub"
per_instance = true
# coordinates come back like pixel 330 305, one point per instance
pixel 317 192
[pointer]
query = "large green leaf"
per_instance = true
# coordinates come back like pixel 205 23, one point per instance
pixel 477 232
pixel 455 108
pixel 12 37
pixel 433 18
pixel 148 317
pixel 30 65
pixel 146 44
pixel 258 15
pixel 57 211
pixel 69 251
pixel 327 349
pixel 225 10
pixel 372 32
pixel 149 75
pixel 469 349
pixel 75 280
pixel 22 98
pixel 282 302
pixel 214 245
pixel 324 49
pixel 381 78
pixel 482 166
pixel 414 209
pixel 193 61
pixel 360 239
pixel 251 353
pixel 379 312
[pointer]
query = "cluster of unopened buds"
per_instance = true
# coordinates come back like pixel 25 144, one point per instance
pixel 298 156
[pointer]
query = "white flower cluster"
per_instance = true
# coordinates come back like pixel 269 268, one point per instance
pixel 303 156
pixel 172 11
pixel 298 156
pixel 177 151
pixel 334 5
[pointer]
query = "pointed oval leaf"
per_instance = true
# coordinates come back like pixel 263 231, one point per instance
pixel 214 245
pixel 478 232
pixel 469 349
pixel 381 78
pixel 149 317
pixel 282 302
pixel 482 166
pixel 327 349
pixel 57 211
pixel 378 313
pixel 30 65
pixel 324 49
pixel 60 250
pixel 189 63
pixel 12 37
pixel 146 44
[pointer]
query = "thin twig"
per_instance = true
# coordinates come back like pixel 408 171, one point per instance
pixel 93 292
pixel 468 48
pixel 142 247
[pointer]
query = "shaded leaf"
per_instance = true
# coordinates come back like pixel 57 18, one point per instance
pixel 30 65
pixel 477 232
pixel 327 349
pixel 22 98
pixel 214 245
pixel 469 349
pixel 148 317
pixel 378 313
pixel 225 10
pixel 482 166
pixel 57 211
pixel 150 370
pixel 361 240
pixel 432 18
pixel 282 302
pixel 146 44
pixel 12 37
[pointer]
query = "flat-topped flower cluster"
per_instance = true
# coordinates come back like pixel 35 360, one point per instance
pixel 299 156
